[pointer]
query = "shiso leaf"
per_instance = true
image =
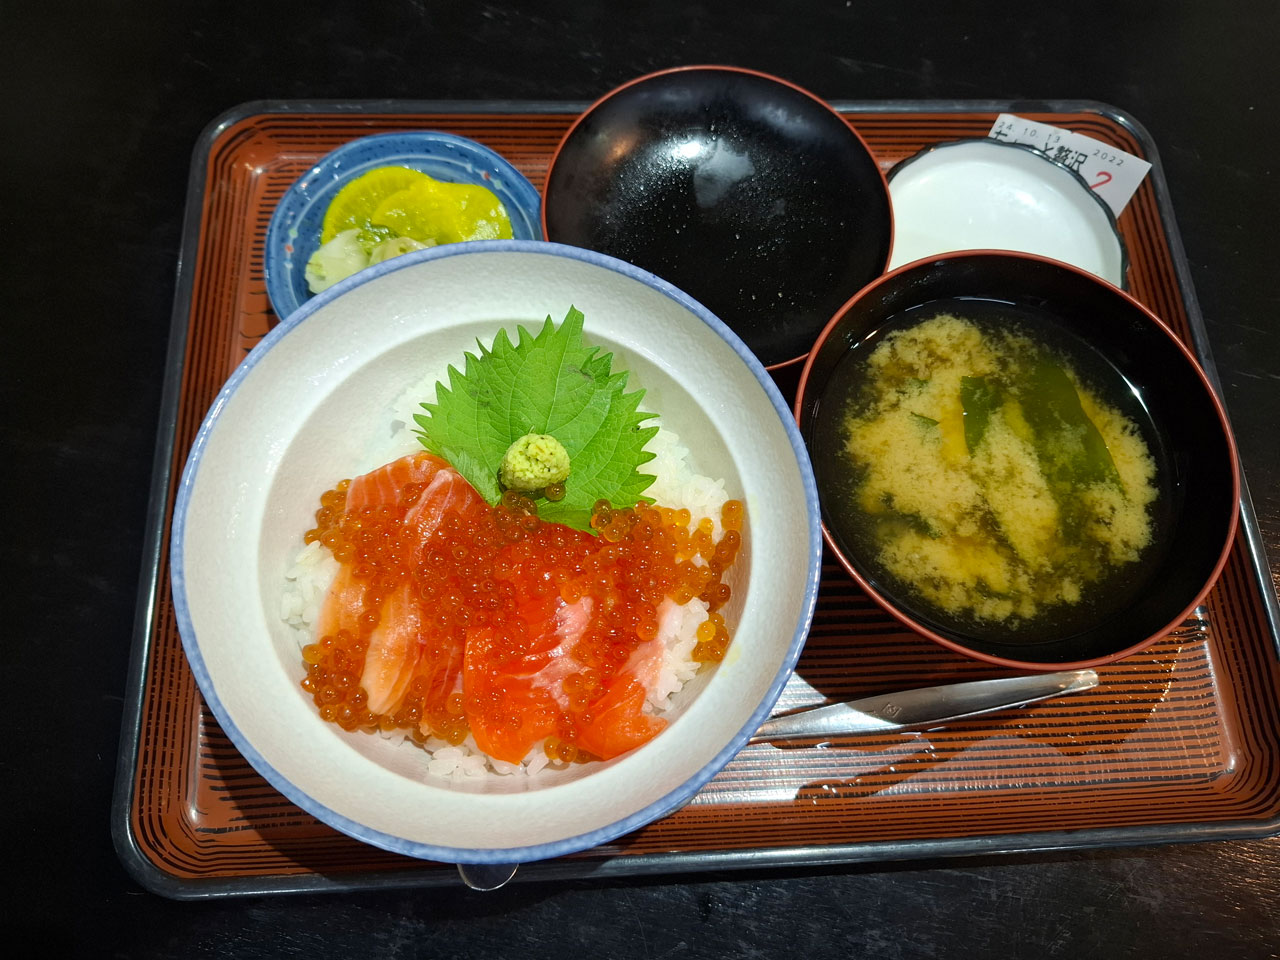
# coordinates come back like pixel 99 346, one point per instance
pixel 553 383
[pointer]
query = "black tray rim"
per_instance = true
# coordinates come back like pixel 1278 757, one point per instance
pixel 154 879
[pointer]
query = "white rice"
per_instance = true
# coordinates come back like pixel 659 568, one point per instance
pixel 306 583
pixel 676 485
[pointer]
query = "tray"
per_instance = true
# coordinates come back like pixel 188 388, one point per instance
pixel 1181 742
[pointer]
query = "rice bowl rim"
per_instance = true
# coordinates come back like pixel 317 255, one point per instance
pixel 647 814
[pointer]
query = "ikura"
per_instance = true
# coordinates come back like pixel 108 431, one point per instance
pixel 450 616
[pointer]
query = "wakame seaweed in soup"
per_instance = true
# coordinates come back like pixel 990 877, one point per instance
pixel 991 471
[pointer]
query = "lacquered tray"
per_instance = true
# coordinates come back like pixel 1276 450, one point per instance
pixel 1179 743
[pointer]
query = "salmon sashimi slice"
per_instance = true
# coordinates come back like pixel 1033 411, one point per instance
pixel 619 722
pixel 406 645
pixel 382 487
pixel 526 713
pixel 530 686
pixel 343 605
pixel 557 627
pixel 571 621
pixel 645 662
pixel 409 651
pixel 438 674
pixel 395 647
pixel 446 492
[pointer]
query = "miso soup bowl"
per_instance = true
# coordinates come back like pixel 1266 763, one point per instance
pixel 1195 515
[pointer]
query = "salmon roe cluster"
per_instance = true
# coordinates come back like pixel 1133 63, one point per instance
pixel 483 572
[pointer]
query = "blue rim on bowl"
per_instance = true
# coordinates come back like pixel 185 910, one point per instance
pixel 633 820
pixel 1038 196
pixel 294 232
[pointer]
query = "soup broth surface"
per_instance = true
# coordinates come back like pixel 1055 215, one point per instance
pixel 991 471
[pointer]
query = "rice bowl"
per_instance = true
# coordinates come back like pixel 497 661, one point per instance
pixel 316 401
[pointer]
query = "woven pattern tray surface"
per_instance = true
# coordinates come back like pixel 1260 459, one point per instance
pixel 1179 742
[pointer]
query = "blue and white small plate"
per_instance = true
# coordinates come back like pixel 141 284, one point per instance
pixel 294 232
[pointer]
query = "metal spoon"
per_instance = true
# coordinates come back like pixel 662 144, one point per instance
pixel 924 707
pixel 908 710
pixel 486 876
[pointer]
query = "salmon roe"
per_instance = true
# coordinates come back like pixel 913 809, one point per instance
pixel 481 571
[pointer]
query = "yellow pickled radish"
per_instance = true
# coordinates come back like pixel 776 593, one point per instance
pixel 435 211
pixel 353 206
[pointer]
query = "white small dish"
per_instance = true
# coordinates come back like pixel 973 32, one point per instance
pixel 982 194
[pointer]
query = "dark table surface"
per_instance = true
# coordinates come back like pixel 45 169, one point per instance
pixel 104 103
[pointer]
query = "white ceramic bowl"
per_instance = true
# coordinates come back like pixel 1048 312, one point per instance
pixel 313 404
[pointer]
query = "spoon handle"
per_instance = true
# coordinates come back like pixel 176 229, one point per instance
pixel 924 707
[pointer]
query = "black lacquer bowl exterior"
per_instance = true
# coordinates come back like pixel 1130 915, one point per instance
pixel 747 192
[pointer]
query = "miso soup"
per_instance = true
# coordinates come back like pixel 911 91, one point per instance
pixel 995 473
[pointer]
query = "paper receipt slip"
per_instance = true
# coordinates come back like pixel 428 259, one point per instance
pixel 1110 172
